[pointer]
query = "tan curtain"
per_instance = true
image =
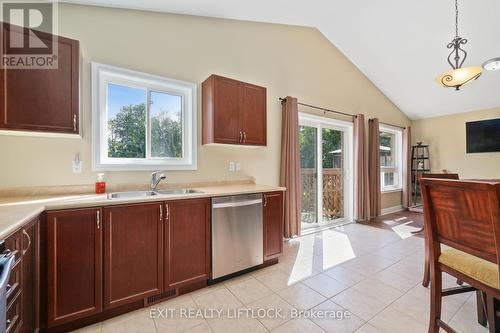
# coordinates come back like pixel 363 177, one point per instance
pixel 361 191
pixel 374 167
pixel 407 167
pixel 290 165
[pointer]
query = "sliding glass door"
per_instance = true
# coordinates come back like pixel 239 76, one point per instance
pixel 326 164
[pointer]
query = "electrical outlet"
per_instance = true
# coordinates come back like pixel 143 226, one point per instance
pixel 231 166
pixel 237 166
pixel 77 166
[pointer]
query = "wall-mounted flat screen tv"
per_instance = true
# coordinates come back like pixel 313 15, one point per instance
pixel 483 136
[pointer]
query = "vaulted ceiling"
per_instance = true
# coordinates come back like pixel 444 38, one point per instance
pixel 399 45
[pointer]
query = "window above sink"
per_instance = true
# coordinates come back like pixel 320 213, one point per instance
pixel 142 121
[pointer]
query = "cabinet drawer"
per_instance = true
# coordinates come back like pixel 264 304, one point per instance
pixel 14 244
pixel 14 315
pixel 14 282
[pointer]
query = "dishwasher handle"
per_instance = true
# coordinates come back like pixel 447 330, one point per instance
pixel 237 203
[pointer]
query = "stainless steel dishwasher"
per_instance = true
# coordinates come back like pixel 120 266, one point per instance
pixel 237 233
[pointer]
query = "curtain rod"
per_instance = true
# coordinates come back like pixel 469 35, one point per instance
pixel 381 122
pixel 323 109
pixel 338 112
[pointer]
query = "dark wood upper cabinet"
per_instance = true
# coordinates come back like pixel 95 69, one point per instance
pixel 74 264
pixel 133 253
pixel 187 242
pixel 273 224
pixel 253 122
pixel 234 112
pixel 42 100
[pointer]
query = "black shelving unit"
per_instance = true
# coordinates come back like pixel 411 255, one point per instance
pixel 420 163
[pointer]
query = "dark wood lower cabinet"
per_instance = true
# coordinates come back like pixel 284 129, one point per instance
pixel 133 253
pixel 273 224
pixel 97 263
pixel 74 264
pixel 187 242
pixel 23 289
pixel 31 276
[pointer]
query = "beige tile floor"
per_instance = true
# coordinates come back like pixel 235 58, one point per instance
pixel 372 273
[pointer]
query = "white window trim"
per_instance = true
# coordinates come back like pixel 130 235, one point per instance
pixel 104 74
pixel 398 159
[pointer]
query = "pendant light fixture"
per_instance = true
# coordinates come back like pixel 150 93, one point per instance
pixel 459 75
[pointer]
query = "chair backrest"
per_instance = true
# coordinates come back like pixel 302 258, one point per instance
pixel 462 214
pixel 440 175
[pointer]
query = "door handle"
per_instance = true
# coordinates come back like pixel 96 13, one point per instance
pixel 98 219
pixel 74 122
pixel 168 211
pixel 244 137
pixel 161 213
pixel 265 200
pixel 241 136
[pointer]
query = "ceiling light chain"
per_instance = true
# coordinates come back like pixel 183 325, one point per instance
pixel 458 76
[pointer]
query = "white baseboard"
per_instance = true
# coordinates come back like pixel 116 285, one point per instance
pixel 390 210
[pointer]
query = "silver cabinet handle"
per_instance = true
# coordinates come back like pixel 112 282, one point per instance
pixel 29 241
pixel 98 219
pixel 244 137
pixel 168 211
pixel 161 213
pixel 74 122
pixel 241 136
pixel 265 200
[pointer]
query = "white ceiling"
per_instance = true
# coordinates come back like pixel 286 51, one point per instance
pixel 399 45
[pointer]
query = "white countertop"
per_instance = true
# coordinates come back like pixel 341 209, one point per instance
pixel 16 211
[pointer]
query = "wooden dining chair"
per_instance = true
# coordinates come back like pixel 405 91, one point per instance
pixel 427 277
pixel 465 216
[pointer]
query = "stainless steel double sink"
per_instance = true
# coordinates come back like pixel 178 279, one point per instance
pixel 139 194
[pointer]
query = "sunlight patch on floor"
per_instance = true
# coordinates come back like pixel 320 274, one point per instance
pixel 405 230
pixel 320 252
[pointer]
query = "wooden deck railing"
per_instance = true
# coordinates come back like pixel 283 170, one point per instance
pixel 333 204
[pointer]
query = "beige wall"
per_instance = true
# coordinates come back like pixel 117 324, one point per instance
pixel 446 137
pixel 288 60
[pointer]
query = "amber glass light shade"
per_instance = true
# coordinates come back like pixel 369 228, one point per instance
pixel 459 77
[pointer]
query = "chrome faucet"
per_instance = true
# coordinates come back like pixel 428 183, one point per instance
pixel 156 178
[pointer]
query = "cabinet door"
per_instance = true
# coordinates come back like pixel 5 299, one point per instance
pixel 133 253
pixel 74 264
pixel 42 99
pixel 253 121
pixel 187 242
pixel 226 110
pixel 30 276
pixel 273 224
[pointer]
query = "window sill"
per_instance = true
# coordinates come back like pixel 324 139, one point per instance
pixel 392 190
pixel 144 167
